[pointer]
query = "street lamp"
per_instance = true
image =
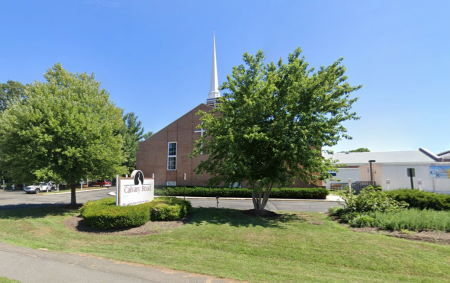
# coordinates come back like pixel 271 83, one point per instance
pixel 371 173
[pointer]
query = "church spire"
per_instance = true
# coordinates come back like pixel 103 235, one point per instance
pixel 214 90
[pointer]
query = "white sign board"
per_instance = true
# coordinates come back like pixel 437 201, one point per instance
pixel 135 190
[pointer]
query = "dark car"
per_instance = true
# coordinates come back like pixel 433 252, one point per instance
pixel 101 183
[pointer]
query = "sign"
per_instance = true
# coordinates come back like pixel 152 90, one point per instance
pixel 441 172
pixel 135 190
pixel 411 172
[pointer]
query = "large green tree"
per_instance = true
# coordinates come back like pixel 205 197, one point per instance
pixel 65 131
pixel 273 122
pixel 10 91
pixel 132 133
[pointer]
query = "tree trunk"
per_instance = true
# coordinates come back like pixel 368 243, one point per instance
pixel 261 198
pixel 73 196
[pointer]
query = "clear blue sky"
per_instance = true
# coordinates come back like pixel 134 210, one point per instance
pixel 154 57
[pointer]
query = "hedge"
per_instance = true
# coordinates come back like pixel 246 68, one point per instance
pixel 421 199
pixel 292 193
pixel 169 208
pixel 104 214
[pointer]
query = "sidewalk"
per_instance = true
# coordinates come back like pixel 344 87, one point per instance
pixel 37 266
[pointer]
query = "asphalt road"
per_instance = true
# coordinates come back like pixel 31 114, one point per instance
pixel 19 199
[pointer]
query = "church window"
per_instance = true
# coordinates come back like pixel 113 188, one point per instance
pixel 172 156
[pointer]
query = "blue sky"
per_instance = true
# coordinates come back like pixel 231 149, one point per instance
pixel 154 57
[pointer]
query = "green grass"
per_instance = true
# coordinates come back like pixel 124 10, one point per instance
pixel 7 280
pixel 413 219
pixel 226 243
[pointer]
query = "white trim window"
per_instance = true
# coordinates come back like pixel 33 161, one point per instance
pixel 172 156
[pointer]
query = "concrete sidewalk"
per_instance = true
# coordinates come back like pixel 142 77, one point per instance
pixel 37 266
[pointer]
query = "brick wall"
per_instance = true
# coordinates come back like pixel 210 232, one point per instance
pixel 152 156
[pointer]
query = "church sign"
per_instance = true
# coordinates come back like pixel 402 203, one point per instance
pixel 135 190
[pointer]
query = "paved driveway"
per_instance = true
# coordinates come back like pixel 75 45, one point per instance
pixel 19 199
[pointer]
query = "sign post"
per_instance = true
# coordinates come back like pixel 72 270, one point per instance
pixel 411 172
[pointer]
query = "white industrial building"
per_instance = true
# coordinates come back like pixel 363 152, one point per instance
pixel 389 169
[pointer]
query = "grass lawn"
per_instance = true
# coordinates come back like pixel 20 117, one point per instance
pixel 299 247
pixel 7 280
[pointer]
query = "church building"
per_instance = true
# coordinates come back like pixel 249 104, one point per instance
pixel 164 155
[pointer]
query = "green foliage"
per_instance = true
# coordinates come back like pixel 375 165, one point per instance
pixel 370 199
pixel 421 199
pixel 361 149
pixel 132 133
pixel 104 214
pixel 273 122
pixel 294 193
pixel 65 130
pixel 362 221
pixel 336 210
pixel 169 209
pixel 412 219
pixel 10 92
pixel 146 136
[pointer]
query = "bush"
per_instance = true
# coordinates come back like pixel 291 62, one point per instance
pixel 295 193
pixel 412 219
pixel 370 199
pixel 169 209
pixel 336 210
pixel 362 221
pixel 421 200
pixel 104 214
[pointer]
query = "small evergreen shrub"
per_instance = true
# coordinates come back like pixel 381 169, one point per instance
pixel 421 200
pixel 104 214
pixel 169 208
pixel 362 221
pixel 336 210
pixel 294 193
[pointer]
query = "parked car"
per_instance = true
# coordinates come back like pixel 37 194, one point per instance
pixel 40 187
pixel 101 183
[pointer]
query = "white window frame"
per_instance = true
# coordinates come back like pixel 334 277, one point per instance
pixel 172 156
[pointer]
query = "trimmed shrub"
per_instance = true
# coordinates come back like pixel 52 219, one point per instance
pixel 104 214
pixel 294 193
pixel 421 199
pixel 169 208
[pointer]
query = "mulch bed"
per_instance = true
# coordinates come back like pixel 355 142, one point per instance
pixel 76 223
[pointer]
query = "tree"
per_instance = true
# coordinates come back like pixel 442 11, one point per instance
pixel 361 149
pixel 272 124
pixel 146 136
pixel 63 131
pixel 10 91
pixel 132 133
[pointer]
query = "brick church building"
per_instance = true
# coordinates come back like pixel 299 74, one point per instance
pixel 164 155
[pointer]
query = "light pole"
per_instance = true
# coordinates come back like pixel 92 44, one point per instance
pixel 371 173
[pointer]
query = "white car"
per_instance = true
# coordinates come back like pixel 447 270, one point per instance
pixel 42 187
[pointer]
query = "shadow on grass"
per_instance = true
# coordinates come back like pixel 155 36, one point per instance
pixel 33 211
pixel 237 218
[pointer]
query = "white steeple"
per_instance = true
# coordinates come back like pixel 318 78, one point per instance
pixel 214 90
